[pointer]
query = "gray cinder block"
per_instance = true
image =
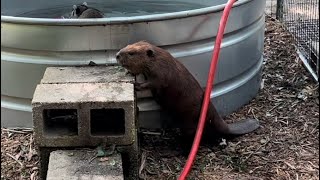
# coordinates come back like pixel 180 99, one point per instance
pixel 84 114
pixel 67 100
pixel 87 74
pixel 82 164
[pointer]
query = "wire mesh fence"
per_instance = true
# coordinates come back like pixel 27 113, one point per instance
pixel 301 18
pixel 271 8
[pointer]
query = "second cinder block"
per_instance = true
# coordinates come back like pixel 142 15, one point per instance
pixel 84 114
pixel 82 165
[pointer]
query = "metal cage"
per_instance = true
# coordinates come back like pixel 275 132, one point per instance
pixel 301 18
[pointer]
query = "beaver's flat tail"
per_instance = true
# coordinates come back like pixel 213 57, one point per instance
pixel 243 126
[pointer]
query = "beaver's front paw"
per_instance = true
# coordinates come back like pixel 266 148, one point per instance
pixel 137 86
pixel 129 73
pixel 142 86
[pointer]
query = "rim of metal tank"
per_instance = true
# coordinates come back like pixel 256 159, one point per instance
pixel 118 20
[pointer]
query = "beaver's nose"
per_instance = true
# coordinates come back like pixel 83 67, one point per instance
pixel 118 55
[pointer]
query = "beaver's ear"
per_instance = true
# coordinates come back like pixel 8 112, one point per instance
pixel 150 53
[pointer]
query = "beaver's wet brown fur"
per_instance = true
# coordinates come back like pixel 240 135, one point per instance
pixel 176 90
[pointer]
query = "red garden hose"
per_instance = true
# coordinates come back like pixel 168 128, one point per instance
pixel 206 100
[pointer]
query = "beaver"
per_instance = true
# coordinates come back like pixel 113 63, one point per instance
pixel 176 90
pixel 82 11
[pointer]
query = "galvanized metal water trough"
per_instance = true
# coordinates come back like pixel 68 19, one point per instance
pixel 30 44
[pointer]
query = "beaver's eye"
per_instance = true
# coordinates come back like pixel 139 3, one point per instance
pixel 131 53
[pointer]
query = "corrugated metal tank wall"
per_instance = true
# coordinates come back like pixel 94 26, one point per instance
pixel 29 45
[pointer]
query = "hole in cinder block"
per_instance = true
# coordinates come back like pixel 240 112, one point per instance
pixel 60 122
pixel 107 122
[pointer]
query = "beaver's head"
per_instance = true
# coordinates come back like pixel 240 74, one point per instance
pixel 78 10
pixel 136 57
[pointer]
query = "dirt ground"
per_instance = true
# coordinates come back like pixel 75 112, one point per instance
pixel 286 146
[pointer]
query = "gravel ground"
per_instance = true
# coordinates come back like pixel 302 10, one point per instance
pixel 285 147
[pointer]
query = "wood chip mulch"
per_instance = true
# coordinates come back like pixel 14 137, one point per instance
pixel 286 146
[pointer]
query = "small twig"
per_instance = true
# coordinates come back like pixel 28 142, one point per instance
pixel 16 131
pixel 289 165
pixel 151 133
pixel 65 117
pixel 14 159
pixel 76 171
pixel 317 167
pixel 169 169
pixel 254 115
pixel 94 157
pixel 150 172
pixel 256 150
pixel 143 162
pixel 274 107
